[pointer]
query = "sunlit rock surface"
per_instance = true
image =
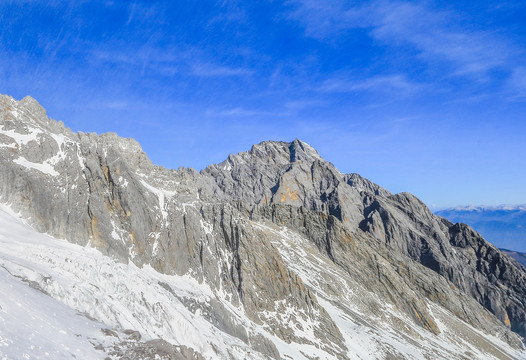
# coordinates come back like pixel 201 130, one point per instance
pixel 272 253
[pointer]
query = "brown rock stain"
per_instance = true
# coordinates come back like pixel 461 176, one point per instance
pixel 96 234
pixel 293 195
pixel 106 173
pixel 137 244
pixel 347 239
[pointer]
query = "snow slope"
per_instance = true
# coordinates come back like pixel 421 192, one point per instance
pixel 33 324
pixel 58 297
pixel 51 289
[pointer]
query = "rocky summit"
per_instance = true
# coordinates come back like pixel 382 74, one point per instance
pixel 271 254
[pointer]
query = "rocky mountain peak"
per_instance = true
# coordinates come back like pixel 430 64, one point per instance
pixel 276 153
pixel 301 151
pixel 294 257
pixel 273 171
pixel 29 112
pixel 33 104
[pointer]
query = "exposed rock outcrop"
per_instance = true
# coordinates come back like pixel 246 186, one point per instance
pixel 226 226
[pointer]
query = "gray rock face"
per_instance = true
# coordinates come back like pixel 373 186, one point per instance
pixel 503 226
pixel 249 226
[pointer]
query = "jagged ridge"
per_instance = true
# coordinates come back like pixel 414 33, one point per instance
pixel 226 225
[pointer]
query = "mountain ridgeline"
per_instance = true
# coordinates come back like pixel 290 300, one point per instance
pixel 311 256
pixel 504 226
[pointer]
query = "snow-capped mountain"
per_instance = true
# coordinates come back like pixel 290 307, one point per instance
pixel 483 208
pixel 271 254
pixel 504 225
pixel 519 256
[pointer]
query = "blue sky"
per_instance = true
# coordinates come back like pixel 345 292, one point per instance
pixel 426 97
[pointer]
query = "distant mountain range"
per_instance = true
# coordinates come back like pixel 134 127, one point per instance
pixel 504 225
pixel 520 257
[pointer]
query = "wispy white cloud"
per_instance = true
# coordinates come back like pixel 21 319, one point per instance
pixel 298 105
pixel 229 12
pixel 288 108
pixel 473 99
pixel 439 35
pixel 240 112
pixel 436 35
pixel 120 54
pixel 117 105
pixel 212 70
pixel 323 19
pixel 132 10
pixel 517 84
pixel 165 61
pixel 392 84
